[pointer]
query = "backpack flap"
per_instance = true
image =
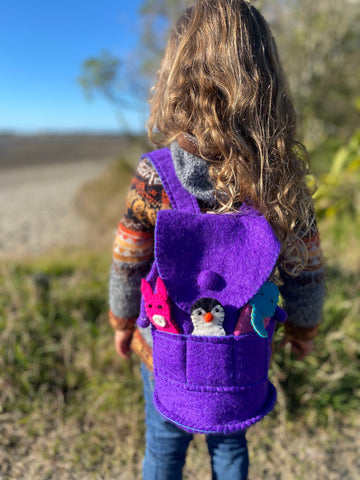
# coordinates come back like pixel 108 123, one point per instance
pixel 223 256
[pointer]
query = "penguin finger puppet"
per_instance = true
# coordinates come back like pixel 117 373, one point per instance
pixel 207 316
pixel 264 304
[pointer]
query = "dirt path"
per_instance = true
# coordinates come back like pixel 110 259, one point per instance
pixel 37 206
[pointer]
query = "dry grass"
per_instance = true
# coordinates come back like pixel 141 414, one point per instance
pixel 102 201
pixel 19 151
pixel 71 409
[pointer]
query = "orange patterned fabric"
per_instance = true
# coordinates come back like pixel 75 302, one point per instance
pixel 146 197
pixel 315 256
pixel 121 323
pixel 132 246
pixel 142 350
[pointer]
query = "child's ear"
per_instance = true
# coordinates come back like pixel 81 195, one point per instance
pixel 161 289
pixel 146 289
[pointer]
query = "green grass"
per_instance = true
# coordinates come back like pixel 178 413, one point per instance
pixel 54 332
pixel 71 408
pixel 327 382
pixel 61 376
pixel 58 363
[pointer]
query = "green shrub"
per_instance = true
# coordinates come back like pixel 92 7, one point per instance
pixel 338 191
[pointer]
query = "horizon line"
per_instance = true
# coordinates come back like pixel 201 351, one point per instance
pixel 70 131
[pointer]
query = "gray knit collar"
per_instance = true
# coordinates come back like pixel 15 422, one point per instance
pixel 193 173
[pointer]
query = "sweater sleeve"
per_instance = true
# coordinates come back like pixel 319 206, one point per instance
pixel 304 294
pixel 133 245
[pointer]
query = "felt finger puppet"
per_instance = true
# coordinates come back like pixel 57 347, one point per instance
pixel 264 304
pixel 207 316
pixel 157 307
pixel 244 325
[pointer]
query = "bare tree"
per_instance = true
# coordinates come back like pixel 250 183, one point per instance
pixel 318 44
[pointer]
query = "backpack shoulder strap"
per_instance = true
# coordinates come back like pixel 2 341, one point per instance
pixel 179 197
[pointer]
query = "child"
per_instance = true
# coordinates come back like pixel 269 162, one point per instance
pixel 221 103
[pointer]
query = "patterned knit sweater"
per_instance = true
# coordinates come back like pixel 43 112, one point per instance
pixel 133 252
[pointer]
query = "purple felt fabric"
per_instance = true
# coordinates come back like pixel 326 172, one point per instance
pixel 210 384
pixel 192 269
pixel 226 419
pixel 187 245
pixel 180 198
pixel 213 384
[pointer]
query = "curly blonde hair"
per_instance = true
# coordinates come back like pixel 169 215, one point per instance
pixel 221 82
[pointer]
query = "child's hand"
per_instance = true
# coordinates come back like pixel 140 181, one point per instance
pixel 122 342
pixel 301 348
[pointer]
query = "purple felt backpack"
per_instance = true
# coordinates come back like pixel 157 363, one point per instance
pixel 212 311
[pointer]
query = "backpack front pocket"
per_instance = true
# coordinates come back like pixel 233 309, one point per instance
pixel 212 384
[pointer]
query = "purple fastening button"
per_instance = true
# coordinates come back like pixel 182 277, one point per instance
pixel 143 322
pixel 210 280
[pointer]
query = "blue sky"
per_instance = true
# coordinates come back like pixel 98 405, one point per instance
pixel 42 46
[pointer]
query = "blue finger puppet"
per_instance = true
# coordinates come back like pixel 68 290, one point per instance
pixel 263 304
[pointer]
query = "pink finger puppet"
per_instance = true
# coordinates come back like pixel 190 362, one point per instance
pixel 157 306
pixel 243 324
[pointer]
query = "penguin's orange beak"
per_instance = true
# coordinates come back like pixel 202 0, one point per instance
pixel 208 317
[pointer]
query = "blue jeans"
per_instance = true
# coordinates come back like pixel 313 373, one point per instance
pixel 166 446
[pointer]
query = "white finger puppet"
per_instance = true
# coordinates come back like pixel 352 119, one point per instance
pixel 263 304
pixel 207 316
